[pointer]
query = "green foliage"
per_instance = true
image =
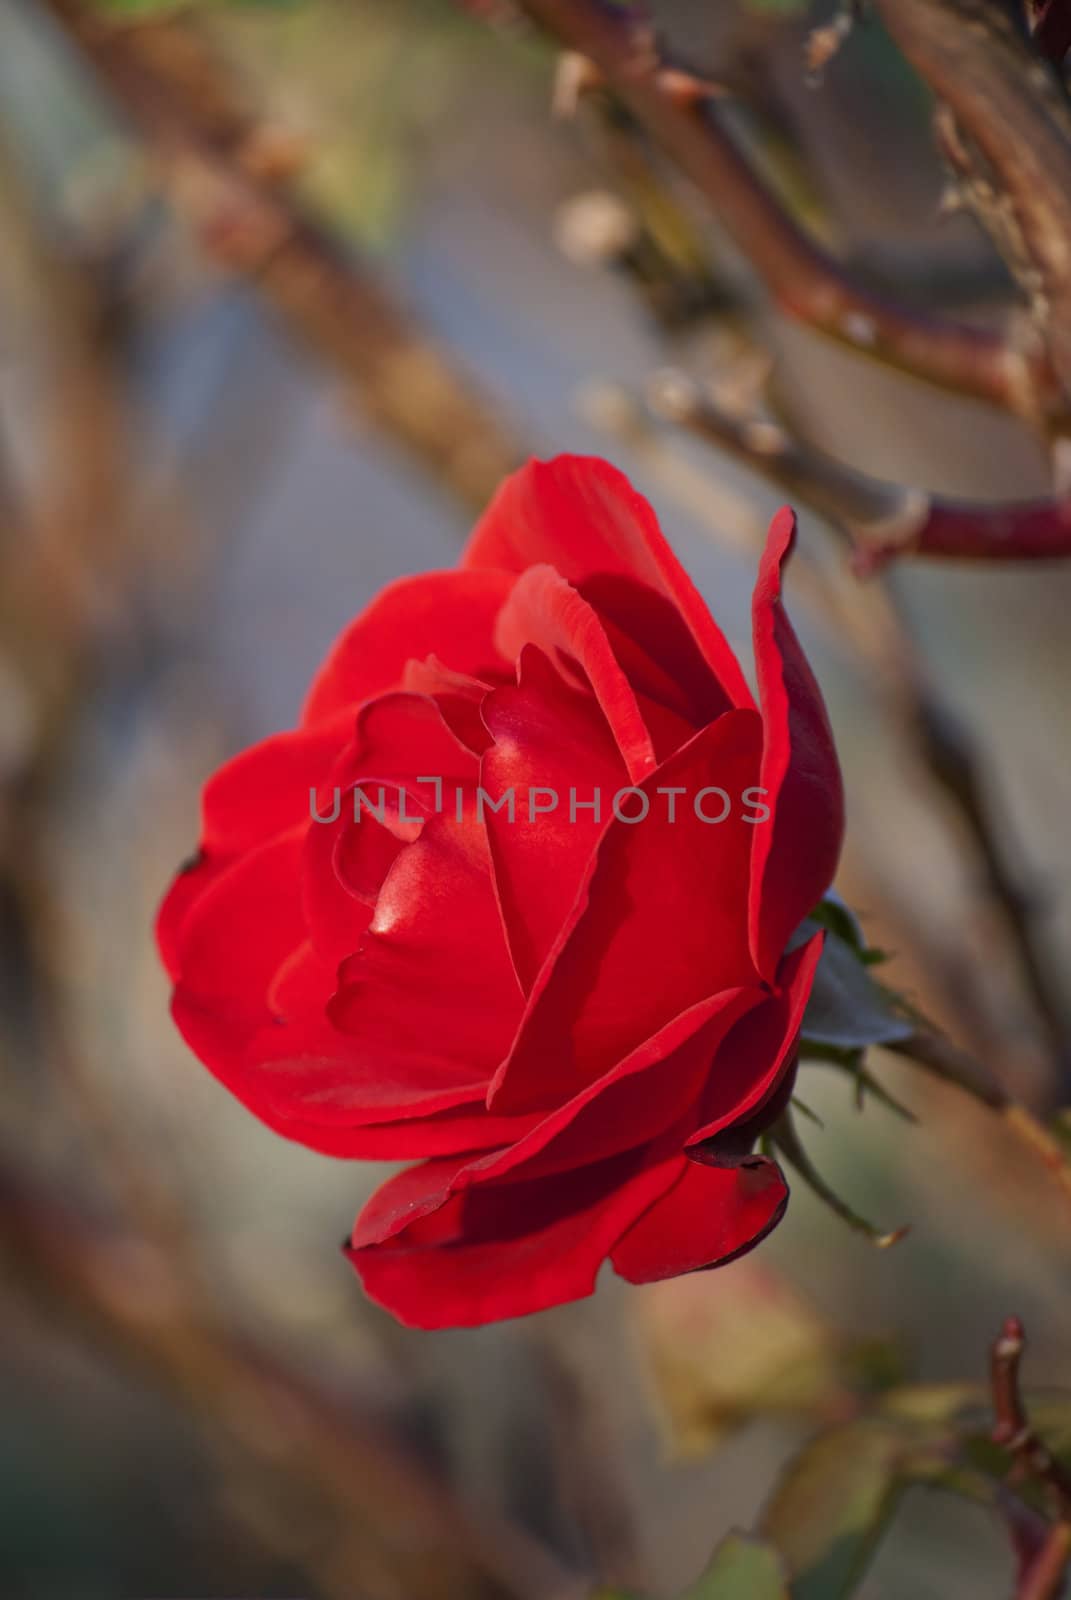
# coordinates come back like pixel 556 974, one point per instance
pixel 743 1568
pixel 848 1008
pixel 837 1499
pixel 162 8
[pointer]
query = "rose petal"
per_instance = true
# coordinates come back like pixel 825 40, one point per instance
pixel 659 925
pixel 503 1251
pixel 432 990
pixel 545 611
pixel 583 517
pixel 550 737
pixel 250 800
pixel 710 1216
pixel 761 1048
pixel 458 697
pixel 449 613
pixel 796 852
pixel 674 685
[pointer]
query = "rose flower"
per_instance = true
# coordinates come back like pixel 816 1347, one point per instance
pixel 516 903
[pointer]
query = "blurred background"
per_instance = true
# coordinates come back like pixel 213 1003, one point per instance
pixel 285 288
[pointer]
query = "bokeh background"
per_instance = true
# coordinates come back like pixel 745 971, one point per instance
pixel 210 459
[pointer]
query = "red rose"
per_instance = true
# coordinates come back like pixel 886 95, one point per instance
pixel 553 1015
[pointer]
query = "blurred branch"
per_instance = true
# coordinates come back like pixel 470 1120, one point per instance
pixel 384 1526
pixel 887 520
pixel 941 1057
pixel 804 280
pixel 228 173
pixel 1044 1572
pixel 1004 122
pixel 1030 530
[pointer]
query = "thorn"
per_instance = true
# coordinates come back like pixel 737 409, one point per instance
pixel 672 395
pixel 951 202
pixel 823 44
pixel 576 76
pixel 684 89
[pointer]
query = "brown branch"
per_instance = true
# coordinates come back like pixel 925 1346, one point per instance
pixel 227 174
pixel 1046 1576
pixel 1011 141
pixel 1013 1430
pixel 1028 530
pixel 944 1060
pixel 889 521
pixel 803 279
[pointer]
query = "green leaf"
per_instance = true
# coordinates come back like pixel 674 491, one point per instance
pixel 848 1008
pixel 743 1568
pixel 837 1498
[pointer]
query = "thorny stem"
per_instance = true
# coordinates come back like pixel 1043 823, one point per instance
pixel 887 521
pixel 805 281
pixel 1047 1573
pixel 1012 1428
pixel 216 161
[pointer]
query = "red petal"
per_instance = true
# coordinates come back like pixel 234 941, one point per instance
pixel 375 786
pixel 450 614
pixel 796 852
pixel 547 612
pixel 457 695
pixel 432 991
pixel 660 926
pixel 631 1104
pixel 503 1251
pixel 584 517
pixel 265 790
pixel 755 1056
pixel 709 1216
pixel 551 737
pixel 677 691
pixel 242 929
pixel 250 800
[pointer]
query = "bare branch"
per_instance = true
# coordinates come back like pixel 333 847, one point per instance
pixel 221 169
pixel 1013 1430
pixel 1013 123
pixel 804 280
pixel 1028 530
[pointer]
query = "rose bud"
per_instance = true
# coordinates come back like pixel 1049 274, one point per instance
pixel 514 934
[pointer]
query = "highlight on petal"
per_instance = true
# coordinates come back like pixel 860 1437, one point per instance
pixel 431 990
pixel 552 749
pixel 582 516
pixel 795 853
